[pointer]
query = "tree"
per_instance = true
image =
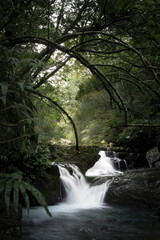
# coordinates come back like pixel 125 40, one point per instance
pixel 117 41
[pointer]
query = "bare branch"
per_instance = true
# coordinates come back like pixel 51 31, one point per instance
pixel 60 16
pixel 44 79
pixel 129 74
pixel 79 16
pixel 15 139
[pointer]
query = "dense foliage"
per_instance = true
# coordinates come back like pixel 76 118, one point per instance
pixel 93 64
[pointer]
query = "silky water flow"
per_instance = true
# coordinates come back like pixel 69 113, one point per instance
pixel 80 193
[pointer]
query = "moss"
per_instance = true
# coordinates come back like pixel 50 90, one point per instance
pixel 84 158
pixel 48 183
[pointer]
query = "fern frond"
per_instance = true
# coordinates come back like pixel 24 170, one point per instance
pixel 7 194
pixel 25 195
pixel 14 183
pixel 38 195
pixel 16 195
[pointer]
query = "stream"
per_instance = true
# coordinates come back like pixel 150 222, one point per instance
pixel 82 214
pixel 103 223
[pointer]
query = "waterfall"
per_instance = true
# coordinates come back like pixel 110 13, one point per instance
pixel 125 164
pixel 103 167
pixel 79 192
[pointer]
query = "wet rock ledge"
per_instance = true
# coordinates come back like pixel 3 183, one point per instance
pixel 136 188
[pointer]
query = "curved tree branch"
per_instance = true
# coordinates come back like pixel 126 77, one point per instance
pixel 82 60
pixel 61 109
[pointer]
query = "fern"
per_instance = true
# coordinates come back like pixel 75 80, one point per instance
pixel 37 194
pixel 13 184
pixel 16 195
pixel 8 189
pixel 25 195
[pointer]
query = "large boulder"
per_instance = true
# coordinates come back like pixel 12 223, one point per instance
pixel 136 188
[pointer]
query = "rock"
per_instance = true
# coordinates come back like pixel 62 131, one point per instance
pixel 157 164
pixel 153 156
pixel 132 160
pixel 111 154
pixel 48 183
pixel 84 158
pixel 65 142
pixel 157 212
pixel 136 188
pixel 136 160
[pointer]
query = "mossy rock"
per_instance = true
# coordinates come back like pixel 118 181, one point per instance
pixel 84 158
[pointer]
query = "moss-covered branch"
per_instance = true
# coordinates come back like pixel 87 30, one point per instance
pixel 12 124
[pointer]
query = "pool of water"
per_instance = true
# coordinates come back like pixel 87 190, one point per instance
pixel 71 222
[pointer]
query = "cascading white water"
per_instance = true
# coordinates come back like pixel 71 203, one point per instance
pixel 103 167
pixel 79 193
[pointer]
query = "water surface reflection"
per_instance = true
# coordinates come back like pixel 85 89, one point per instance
pixel 70 222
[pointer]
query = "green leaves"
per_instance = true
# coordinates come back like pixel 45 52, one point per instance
pixel 11 185
pixel 21 85
pixel 39 197
pixel 14 61
pixel 8 189
pixel 34 63
pixel 25 196
pixel 16 195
